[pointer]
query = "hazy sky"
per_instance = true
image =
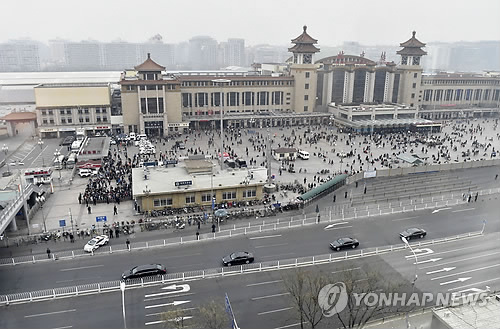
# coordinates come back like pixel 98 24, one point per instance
pixel 258 21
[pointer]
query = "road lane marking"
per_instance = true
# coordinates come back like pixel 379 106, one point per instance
pixel 49 313
pixel 272 245
pixel 67 327
pixel 161 321
pixel 32 149
pixel 428 261
pixel 468 209
pixel 469 271
pixel 40 154
pixel 270 296
pixel 79 268
pixel 438 210
pixel 459 260
pixel 290 325
pixel 474 284
pixel 328 227
pixel 182 310
pixel 396 220
pixel 274 311
pixel 445 269
pixel 174 303
pixel 348 269
pixel 455 281
pixel 265 237
pixel 420 252
pixel 167 296
pixel 338 228
pixel 261 283
pixel 184 288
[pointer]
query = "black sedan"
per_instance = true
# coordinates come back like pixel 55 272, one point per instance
pixel 413 233
pixel 144 270
pixel 241 257
pixel 343 243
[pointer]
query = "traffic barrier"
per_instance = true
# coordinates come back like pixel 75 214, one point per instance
pixel 96 288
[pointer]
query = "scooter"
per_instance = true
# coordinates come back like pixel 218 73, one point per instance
pixel 180 226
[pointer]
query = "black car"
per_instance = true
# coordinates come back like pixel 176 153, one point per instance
pixel 343 243
pixel 240 257
pixel 144 270
pixel 413 233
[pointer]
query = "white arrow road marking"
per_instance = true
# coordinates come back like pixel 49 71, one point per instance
pixel 421 252
pixel 438 210
pixel 454 281
pixel 333 225
pixel 469 271
pixel 174 303
pixel 445 269
pixel 473 290
pixel 161 321
pixel 183 288
pixel 428 261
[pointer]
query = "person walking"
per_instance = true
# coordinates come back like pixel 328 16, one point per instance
pixel 117 233
pixel 197 235
pixel 48 253
pixel 199 225
pixel 89 209
pixel 128 244
pixel 115 210
pixel 475 198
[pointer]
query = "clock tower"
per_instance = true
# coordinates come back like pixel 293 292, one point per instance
pixel 410 72
pixel 304 71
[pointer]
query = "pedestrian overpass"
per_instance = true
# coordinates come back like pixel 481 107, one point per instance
pixel 8 214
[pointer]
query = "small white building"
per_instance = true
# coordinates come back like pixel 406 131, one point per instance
pixel 285 153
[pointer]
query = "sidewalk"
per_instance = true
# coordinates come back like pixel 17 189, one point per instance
pixel 418 320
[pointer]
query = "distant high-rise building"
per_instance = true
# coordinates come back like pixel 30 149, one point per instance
pixel 268 54
pixel 234 52
pixel 57 51
pixel 162 52
pixel 119 54
pixel 203 53
pixel 85 55
pixel 19 55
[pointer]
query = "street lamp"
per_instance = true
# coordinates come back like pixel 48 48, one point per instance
pixel 122 288
pixel 146 191
pixel 71 220
pixel 414 280
pixel 40 199
pixel 220 83
pixel 40 142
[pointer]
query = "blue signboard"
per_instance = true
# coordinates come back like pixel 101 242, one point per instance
pixel 184 182
pixel 62 223
pixel 213 203
pixel 100 219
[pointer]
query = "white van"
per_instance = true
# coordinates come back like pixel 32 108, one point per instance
pixel 304 155
pixel 142 137
pixel 131 136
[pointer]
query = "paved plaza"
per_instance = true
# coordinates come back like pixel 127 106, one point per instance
pixel 327 146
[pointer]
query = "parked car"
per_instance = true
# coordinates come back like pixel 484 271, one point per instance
pixel 240 257
pixel 344 243
pixel 84 173
pixel 96 242
pixel 413 232
pixel 144 270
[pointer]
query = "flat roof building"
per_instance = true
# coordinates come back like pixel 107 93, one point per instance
pixel 191 182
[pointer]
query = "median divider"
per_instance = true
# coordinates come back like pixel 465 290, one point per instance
pixel 114 286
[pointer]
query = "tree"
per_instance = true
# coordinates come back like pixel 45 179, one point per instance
pixel 304 287
pixel 174 319
pixel 213 316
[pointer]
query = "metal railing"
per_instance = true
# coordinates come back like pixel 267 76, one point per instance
pixel 12 208
pixel 96 288
pixel 237 230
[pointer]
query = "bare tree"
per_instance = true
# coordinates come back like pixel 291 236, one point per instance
pixel 174 319
pixel 213 316
pixel 361 285
pixel 304 287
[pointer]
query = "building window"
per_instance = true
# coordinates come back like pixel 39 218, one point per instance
pixel 98 119
pixel 104 119
pixel 412 95
pixel 70 120
pixel 44 121
pixel 306 108
pixel 229 195
pixel 190 199
pixel 51 112
pixel 306 86
pixel 87 119
pixel 98 110
pixel 80 119
pixel 414 85
pixel 308 74
pixel 415 75
pixel 68 111
pixel 205 197
pixel 151 87
pixel 52 121
pixel 80 111
pixel 44 113
pixel 248 98
pixel 86 111
pixel 156 203
pixel 250 193
pixel 61 111
pixel 233 99
pixel 306 97
pixel 263 98
pixel 187 100
pixel 63 120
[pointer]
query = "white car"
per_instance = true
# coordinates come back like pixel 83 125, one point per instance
pixel 96 242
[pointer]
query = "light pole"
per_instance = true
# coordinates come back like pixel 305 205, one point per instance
pixel 122 288
pixel 57 153
pixel 414 280
pixel 40 142
pixel 71 220
pixel 40 199
pixel 146 191
pixel 220 83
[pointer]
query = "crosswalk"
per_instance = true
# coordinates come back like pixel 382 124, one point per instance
pixel 175 298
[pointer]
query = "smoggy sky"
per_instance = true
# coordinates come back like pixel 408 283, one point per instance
pixel 258 21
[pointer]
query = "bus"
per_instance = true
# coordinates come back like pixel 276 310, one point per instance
pixel 71 161
pixel 38 176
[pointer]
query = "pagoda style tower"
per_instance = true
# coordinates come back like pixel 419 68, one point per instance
pixel 305 72
pixel 410 71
